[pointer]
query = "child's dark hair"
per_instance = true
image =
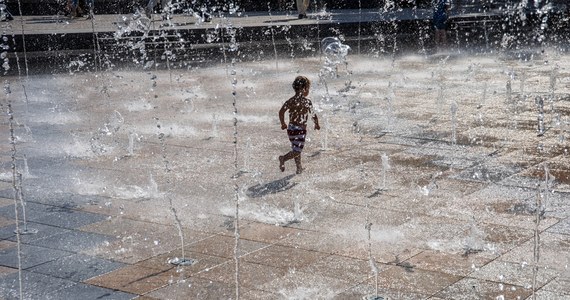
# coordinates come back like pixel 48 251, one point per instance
pixel 300 83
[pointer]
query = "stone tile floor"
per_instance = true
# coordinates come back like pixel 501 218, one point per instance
pixel 390 202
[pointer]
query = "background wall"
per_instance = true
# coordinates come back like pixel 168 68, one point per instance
pixel 50 7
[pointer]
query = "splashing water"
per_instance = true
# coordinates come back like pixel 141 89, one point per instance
pixel 270 214
pixel 102 140
pixel 26 170
pixel 20 196
pixel 372 262
pixel 153 187
pixel 272 32
pixel 553 79
pixel 179 261
pixel 390 106
pixel 475 239
pixel 375 271
pixel 325 141
pixel 135 23
pixel 522 78
pixel 539 101
pixel 15 188
pixel 132 137
pixel 385 167
pixel 440 100
pixel 247 156
pixel 214 126
pixel 509 90
pixel 335 53
pixel 453 123
pixel 298 215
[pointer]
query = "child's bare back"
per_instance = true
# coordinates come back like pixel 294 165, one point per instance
pixel 299 109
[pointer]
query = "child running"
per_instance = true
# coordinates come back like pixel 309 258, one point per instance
pixel 299 108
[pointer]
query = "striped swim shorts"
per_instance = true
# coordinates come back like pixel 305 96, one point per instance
pixel 296 137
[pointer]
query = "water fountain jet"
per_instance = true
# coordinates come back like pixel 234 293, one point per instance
pixel 179 261
pixel 335 53
pixel 372 263
pixel 20 196
pixel 453 123
pixel 539 101
pixel 385 167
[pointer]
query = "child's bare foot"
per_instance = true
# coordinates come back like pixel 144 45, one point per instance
pixel 282 163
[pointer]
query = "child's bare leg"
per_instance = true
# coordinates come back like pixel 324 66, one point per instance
pixel 298 164
pixel 282 163
pixel 286 157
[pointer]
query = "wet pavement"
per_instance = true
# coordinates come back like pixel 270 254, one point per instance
pixel 433 177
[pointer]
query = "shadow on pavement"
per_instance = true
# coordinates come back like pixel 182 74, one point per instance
pixel 273 187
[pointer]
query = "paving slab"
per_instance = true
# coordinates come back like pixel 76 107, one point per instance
pixel 33 211
pixel 414 280
pixel 74 241
pixel 459 264
pixel 283 257
pixel 251 275
pixel 135 241
pixel 70 219
pixel 519 274
pixel 559 287
pixel 562 227
pixel 7 270
pixel 296 284
pixel 85 291
pixel 134 279
pixel 77 267
pixel 34 285
pixel 340 267
pixel 35 231
pixel 29 256
pixel 201 262
pixel 553 252
pixel 223 246
pixel 370 289
pixel 196 288
pixel 471 288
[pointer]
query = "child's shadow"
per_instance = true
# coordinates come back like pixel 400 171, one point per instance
pixel 273 187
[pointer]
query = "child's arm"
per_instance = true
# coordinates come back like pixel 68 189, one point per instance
pixel 316 120
pixel 282 116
